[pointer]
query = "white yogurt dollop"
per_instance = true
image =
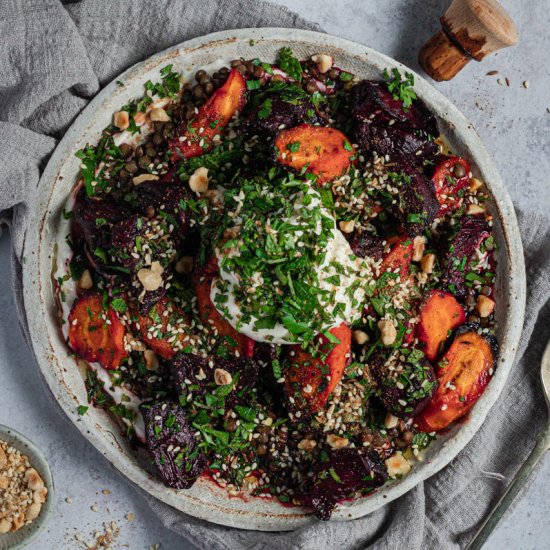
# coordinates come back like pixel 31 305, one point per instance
pixel 347 296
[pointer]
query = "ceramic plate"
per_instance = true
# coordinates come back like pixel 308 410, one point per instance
pixel 206 500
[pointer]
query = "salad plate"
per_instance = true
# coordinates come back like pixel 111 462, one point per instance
pixel 175 117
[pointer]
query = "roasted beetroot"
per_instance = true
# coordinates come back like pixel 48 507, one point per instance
pixel 363 245
pixel 201 373
pixel 343 473
pixel 94 217
pixel 372 101
pixel 398 143
pixel 406 381
pixel 173 444
pixel 416 206
pixel 275 114
pixel 473 230
pixel 167 198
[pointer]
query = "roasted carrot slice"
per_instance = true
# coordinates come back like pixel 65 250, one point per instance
pixel 449 177
pixel 440 314
pixel 199 135
pixel 211 317
pixel 153 328
pixel 310 380
pixel 398 259
pixel 463 375
pixel 324 152
pixel 95 333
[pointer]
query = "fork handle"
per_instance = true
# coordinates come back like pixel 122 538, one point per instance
pixel 512 491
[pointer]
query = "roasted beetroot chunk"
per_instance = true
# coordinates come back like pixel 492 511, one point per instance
pixel 345 472
pixel 405 387
pixel 363 245
pixel 94 217
pixel 167 198
pixel 472 232
pixel 197 370
pixel 397 143
pixel 371 98
pixel 278 114
pixel 173 445
pixel 416 206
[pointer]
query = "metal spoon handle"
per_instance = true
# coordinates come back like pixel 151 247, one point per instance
pixel 483 533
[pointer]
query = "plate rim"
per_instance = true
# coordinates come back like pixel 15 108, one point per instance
pixel 34 289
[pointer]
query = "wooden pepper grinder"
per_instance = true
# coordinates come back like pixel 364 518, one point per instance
pixel 471 29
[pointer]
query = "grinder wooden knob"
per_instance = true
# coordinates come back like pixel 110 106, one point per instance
pixel 471 29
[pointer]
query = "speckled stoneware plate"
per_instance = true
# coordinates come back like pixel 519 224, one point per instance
pixel 206 500
pixel 22 537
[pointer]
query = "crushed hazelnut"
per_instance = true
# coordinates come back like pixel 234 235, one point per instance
pixel 427 263
pixel 151 361
pixel 337 442
pixel 484 305
pixel 157 268
pixel 158 114
pixel 150 280
pixel 121 120
pixel 307 445
pixel 85 281
pixel 397 465
pixel 388 332
pixel 323 61
pixel 222 377
pixel 360 337
pixel 474 184
pixel 475 209
pixel 391 421
pixel 419 244
pixel 144 177
pixel 198 182
pixel 347 227
pixel 249 483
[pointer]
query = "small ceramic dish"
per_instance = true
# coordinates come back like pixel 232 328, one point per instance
pixel 27 533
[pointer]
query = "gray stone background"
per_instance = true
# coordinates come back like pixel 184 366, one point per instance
pixel 513 122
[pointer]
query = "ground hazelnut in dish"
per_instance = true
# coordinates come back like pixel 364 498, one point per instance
pixel 22 490
pixel 280 275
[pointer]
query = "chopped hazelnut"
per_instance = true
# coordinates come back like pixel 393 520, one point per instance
pixel 337 442
pixel 5 526
pixel 121 120
pixel 33 479
pixel 249 483
pixel 85 281
pixel 307 445
pixel 151 361
pixel 222 377
pixel 144 177
pixel 388 332
pixel 427 263
pixel 360 337
pixel 397 465
pixel 347 227
pixel 419 244
pixel 484 305
pixel 198 182
pixel 323 61
pixel 4 482
pixel 32 511
pixel 150 280
pixel 474 184
pixel 475 209
pixel 157 268
pixel 391 421
pixel 159 115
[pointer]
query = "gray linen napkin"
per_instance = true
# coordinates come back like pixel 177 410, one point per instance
pixel 53 59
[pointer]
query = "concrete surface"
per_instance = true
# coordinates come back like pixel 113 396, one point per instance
pixel 514 123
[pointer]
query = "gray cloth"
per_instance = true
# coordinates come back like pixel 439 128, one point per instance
pixel 53 59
